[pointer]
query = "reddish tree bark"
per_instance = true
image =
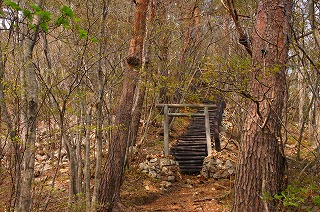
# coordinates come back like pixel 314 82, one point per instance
pixel 141 89
pixel 111 181
pixel 260 174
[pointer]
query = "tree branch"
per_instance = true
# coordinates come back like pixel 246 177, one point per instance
pixel 243 37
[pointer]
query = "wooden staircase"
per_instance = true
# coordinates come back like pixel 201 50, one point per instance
pixel 191 148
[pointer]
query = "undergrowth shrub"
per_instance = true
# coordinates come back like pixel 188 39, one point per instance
pixel 295 198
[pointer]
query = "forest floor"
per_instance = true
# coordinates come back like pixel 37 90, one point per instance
pixel 140 192
pixel 192 192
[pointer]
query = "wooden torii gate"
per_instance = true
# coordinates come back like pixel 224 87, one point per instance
pixel 168 114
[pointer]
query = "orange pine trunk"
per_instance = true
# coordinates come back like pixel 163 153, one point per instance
pixel 260 174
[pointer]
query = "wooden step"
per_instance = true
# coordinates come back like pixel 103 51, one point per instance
pixel 191 162
pixel 190 154
pixel 188 148
pixel 191 148
pixel 189 157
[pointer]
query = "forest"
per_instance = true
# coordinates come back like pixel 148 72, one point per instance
pixel 81 82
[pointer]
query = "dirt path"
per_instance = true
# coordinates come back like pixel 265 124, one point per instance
pixel 192 193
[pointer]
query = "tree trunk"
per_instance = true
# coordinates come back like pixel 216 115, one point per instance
pixel 71 154
pixel 141 88
pixel 261 166
pixel 18 145
pixel 87 159
pixel 101 93
pixel 302 98
pixel 316 140
pixel 31 91
pixel 111 181
pixel 311 119
pixel 78 142
pixel 317 124
pixel 73 166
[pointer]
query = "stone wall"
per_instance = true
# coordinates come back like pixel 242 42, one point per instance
pixel 220 164
pixel 164 168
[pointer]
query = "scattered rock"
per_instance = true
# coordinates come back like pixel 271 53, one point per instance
pixel 164 162
pixel 171 178
pixel 164 169
pixel 46 167
pixel 62 171
pixel 153 160
pixel 147 188
pixel 41 157
pixel 165 184
pixel 153 174
pixel 220 164
pixel 63 153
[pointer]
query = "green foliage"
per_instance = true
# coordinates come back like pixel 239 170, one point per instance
pixel 12 4
pixel 65 18
pixel 62 21
pixel 94 39
pixel 28 14
pixel 292 196
pixel 67 11
pixel 66 15
pixel 316 200
pixel 36 8
pixel 44 26
pixel 83 33
pixel 45 15
pixel 298 197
